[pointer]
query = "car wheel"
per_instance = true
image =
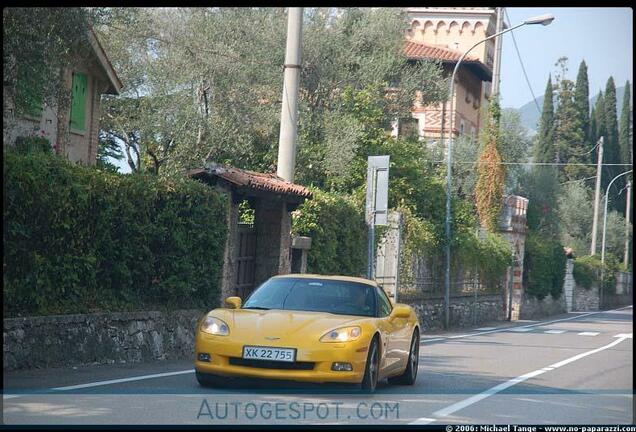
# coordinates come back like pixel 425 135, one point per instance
pixel 372 369
pixel 410 373
pixel 206 380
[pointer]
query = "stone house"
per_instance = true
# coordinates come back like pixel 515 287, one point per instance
pixel 72 132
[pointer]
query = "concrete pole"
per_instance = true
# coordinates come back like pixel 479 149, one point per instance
pixel 496 72
pixel 627 220
pixel 289 113
pixel 597 195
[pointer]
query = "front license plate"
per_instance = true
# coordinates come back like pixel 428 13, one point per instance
pixel 269 353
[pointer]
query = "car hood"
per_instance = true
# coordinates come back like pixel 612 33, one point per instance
pixel 264 326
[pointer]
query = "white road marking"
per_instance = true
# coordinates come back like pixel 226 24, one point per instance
pixel 486 328
pixel 422 421
pixel 554 331
pixel 588 334
pixel 625 335
pixel 432 340
pixel 520 329
pixel 114 381
pixel 498 388
pixel 502 329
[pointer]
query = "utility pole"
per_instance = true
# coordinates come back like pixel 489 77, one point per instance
pixel 597 195
pixel 627 219
pixel 289 113
pixel 496 72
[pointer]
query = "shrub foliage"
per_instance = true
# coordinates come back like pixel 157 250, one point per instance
pixel 78 239
pixel 544 268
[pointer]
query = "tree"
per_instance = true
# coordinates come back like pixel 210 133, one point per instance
pixel 611 150
pixel 625 130
pixel 223 77
pixel 582 102
pixel 575 217
pixel 544 145
pixel 491 173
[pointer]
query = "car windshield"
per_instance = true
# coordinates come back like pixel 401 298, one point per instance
pixel 314 295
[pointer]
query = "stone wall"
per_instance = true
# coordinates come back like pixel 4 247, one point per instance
pixel 585 299
pixel 462 309
pixel 532 307
pixel 105 338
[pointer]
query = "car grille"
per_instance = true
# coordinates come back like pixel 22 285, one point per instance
pixel 271 364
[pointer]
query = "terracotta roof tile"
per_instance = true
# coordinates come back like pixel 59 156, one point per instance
pixel 417 50
pixel 268 182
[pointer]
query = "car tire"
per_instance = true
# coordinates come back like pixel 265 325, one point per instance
pixel 410 373
pixel 207 380
pixel 372 368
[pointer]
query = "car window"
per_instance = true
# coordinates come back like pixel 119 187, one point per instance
pixel 384 303
pixel 316 295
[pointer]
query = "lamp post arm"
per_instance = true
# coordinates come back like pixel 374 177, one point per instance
pixel 605 214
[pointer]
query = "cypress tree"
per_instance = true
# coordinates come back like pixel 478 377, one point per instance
pixel 611 150
pixel 544 146
pixel 568 135
pixel 582 102
pixel 625 134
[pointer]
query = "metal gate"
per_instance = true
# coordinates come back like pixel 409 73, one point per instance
pixel 246 260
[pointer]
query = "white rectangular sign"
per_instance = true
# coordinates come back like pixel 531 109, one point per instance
pixel 377 190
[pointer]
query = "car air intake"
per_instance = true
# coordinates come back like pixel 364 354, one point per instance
pixel 271 364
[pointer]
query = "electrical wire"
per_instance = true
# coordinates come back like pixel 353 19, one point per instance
pixel 523 68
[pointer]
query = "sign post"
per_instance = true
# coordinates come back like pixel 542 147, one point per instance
pixel 377 202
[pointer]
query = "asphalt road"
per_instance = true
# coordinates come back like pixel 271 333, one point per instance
pixel 569 369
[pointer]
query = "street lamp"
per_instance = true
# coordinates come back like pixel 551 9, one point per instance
pixel 604 230
pixel 543 20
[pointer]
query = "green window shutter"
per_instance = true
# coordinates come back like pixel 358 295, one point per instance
pixel 78 102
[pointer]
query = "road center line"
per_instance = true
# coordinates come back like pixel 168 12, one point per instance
pixel 500 387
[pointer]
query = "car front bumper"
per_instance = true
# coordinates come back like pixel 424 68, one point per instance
pixel 323 355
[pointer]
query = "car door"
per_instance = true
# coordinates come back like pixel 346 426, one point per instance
pixel 388 328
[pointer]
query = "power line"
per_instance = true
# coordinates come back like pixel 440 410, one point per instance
pixel 579 180
pixel 532 163
pixel 523 68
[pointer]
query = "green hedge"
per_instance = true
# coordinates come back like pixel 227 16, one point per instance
pixel 338 231
pixel 544 266
pixel 587 271
pixel 78 239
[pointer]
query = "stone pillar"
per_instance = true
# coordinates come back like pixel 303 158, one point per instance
pixel 568 284
pixel 273 239
pixel 228 287
pixel 301 246
pixel 512 225
pixel 387 270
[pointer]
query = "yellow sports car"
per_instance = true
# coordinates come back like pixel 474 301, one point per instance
pixel 310 328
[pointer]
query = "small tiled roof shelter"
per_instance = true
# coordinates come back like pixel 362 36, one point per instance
pixel 253 253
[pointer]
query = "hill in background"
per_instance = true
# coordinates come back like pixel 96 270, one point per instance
pixel 530 116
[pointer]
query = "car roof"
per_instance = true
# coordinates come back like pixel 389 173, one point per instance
pixel 328 277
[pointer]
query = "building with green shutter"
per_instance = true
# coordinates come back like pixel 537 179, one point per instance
pixel 72 132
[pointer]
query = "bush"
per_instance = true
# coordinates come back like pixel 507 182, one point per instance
pixel 587 271
pixel 338 231
pixel 544 266
pixel 77 239
pixel 30 144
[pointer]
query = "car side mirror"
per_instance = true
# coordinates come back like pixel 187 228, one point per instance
pixel 401 311
pixel 233 302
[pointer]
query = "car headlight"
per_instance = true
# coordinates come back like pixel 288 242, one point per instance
pixel 215 326
pixel 343 334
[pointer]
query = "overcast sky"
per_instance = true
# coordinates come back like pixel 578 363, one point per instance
pixel 600 36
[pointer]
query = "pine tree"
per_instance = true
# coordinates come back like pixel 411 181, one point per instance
pixel 611 150
pixel 491 173
pixel 544 146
